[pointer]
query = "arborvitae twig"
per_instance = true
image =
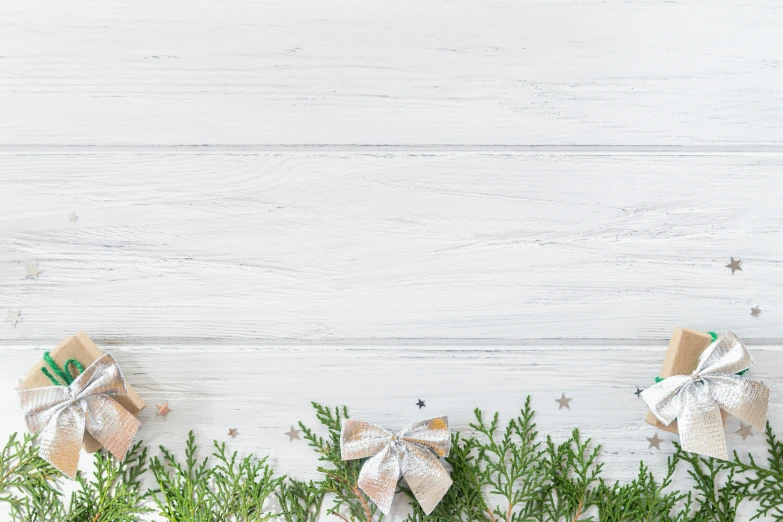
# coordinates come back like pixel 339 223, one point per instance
pixel 574 473
pixel 27 482
pixel 114 494
pixel 300 501
pixel 717 498
pixel 643 500
pixel 764 485
pixel 340 479
pixel 233 490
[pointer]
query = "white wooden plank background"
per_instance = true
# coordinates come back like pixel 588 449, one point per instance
pixel 261 391
pixel 522 196
pixel 330 246
pixel 412 72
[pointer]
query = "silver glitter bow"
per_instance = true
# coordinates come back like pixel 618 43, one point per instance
pixel 411 453
pixel 695 400
pixel 61 413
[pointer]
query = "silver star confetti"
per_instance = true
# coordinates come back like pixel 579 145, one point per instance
pixel 745 431
pixel 33 272
pixel 293 434
pixel 564 401
pixel 755 311
pixel 734 265
pixel 655 441
pixel 420 404
pixel 73 217
pixel 14 316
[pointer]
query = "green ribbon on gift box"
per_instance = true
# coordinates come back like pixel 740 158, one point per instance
pixel 65 373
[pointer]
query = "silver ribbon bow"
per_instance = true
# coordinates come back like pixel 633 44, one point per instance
pixel 411 452
pixel 61 413
pixel 695 400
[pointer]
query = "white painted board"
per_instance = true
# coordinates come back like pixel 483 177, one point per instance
pixel 263 390
pixel 335 246
pixel 374 202
pixel 87 72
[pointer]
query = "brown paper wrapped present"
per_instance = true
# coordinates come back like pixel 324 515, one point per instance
pixel 84 350
pixel 681 358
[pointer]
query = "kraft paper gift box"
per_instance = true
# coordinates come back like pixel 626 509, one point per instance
pixel 84 350
pixel 681 358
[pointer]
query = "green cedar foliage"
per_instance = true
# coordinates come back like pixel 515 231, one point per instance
pixel 500 474
pixel 763 484
pixel 232 490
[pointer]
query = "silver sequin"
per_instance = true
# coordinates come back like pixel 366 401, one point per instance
pixel 695 400
pixel 60 414
pixel 412 452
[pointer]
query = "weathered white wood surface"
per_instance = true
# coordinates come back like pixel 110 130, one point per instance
pixel 274 195
pixel 334 246
pixel 412 72
pixel 262 391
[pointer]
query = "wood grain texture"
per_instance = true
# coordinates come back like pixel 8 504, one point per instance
pixel 334 246
pixel 373 202
pixel 261 391
pixel 412 72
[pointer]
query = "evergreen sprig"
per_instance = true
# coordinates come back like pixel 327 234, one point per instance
pixel 27 482
pixel 300 501
pixel 115 493
pixel 643 499
pixel 500 474
pixel 233 490
pixel 340 479
pixel 764 485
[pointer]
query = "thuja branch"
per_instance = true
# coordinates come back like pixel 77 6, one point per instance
pixel 500 473
pixel 340 477
pixel 763 484
pixel 27 482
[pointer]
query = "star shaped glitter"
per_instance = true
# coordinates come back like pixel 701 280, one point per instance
pixel 564 401
pixel 734 265
pixel 638 392
pixel 14 316
pixel 420 404
pixel 232 432
pixel 755 311
pixel 745 431
pixel 655 441
pixel 163 409
pixel 73 217
pixel 293 434
pixel 32 272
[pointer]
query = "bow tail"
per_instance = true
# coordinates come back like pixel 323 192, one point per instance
pixel 379 477
pixel 61 440
pixel 701 425
pixel 745 399
pixel 111 424
pixel 428 479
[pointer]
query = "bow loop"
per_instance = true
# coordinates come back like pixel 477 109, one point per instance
pixel 696 400
pixel 726 355
pixel 60 414
pixel 359 440
pixel 433 434
pixel 412 453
